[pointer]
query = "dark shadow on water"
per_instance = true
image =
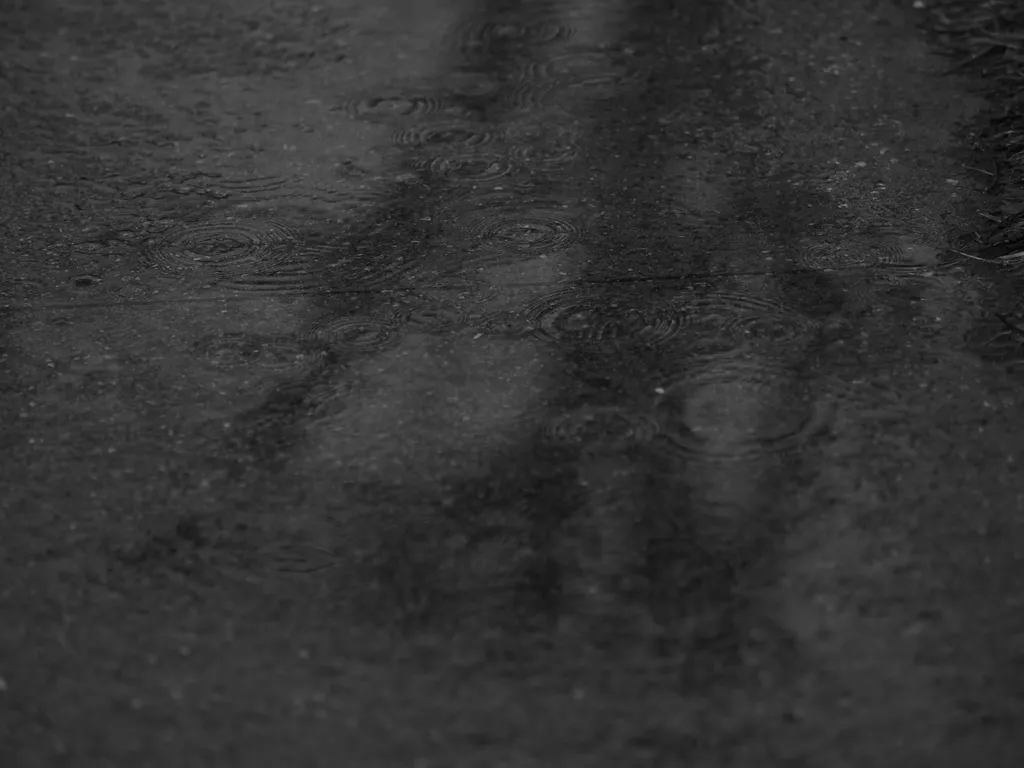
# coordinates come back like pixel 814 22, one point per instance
pixel 600 540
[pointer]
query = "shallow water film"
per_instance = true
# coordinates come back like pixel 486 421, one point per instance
pixel 506 384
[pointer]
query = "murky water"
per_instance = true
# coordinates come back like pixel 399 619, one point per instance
pixel 498 383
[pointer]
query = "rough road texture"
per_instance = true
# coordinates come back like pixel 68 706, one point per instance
pixel 498 384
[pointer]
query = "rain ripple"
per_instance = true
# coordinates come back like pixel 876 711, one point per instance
pixel 531 96
pixel 231 246
pixel 567 317
pixel 391 106
pixel 470 168
pixel 273 353
pixel 529 230
pixel 745 317
pixel 274 190
pixel 609 427
pixel 346 267
pixel 354 334
pixel 542 143
pixel 736 408
pixel 484 37
pixel 288 279
pixel 443 136
pixel 593 73
pixel 429 316
pixel 867 251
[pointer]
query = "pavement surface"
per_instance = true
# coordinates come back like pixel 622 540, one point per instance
pixel 453 383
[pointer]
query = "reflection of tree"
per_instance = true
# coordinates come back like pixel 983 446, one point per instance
pixel 537 480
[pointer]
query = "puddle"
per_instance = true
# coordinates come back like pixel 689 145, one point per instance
pixel 458 358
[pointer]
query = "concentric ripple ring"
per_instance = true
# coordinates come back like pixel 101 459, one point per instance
pixel 525 231
pixel 355 334
pixel 486 36
pixel 472 168
pixel 565 317
pixel 600 426
pixel 737 408
pixel 747 317
pixel 229 247
pixel 444 136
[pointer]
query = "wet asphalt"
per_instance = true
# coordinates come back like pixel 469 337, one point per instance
pixel 492 383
